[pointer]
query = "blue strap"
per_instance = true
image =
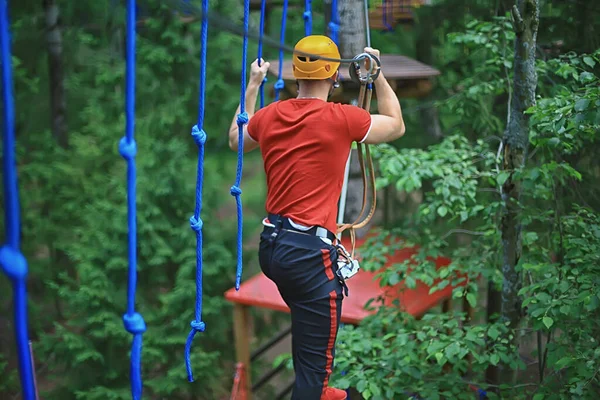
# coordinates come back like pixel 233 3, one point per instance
pixel 133 321
pixel 242 119
pixel 12 261
pixel 260 49
pixel 196 223
pixel 307 17
pixel 279 85
pixel 334 23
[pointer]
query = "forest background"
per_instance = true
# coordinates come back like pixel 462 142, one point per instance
pixel 72 187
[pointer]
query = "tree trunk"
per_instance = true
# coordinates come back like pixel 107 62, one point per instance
pixel 353 39
pixel 56 73
pixel 515 143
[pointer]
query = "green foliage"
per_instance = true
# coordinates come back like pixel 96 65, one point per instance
pixel 392 355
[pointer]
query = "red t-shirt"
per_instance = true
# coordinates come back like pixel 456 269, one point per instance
pixel 305 145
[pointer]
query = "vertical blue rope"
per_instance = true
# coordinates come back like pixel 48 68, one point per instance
pixel 12 261
pixel 196 223
pixel 307 17
pixel 133 321
pixel 334 23
pixel 260 49
pixel 279 85
pixel 242 119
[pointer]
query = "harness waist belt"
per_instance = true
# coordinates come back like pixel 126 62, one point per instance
pixel 273 220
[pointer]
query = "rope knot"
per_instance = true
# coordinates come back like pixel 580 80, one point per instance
pixel 134 323
pixel 235 191
pixel 242 118
pixel 198 326
pixel 13 263
pixel 307 15
pixel 196 223
pixel 128 149
pixel 280 84
pixel 199 135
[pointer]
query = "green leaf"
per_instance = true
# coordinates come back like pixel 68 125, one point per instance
pixel 539 396
pixel 442 211
pixel 471 299
pixel 502 177
pixel 548 321
pixel 582 105
pixel 589 61
pixel 495 359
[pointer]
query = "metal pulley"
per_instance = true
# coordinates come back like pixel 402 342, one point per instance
pixel 367 73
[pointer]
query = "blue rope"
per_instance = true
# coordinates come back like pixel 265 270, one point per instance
pixel 242 119
pixel 307 17
pixel 12 261
pixel 133 321
pixel 196 223
pixel 260 49
pixel 334 23
pixel 279 85
pixel 385 14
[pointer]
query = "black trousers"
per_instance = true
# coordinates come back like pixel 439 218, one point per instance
pixel 304 269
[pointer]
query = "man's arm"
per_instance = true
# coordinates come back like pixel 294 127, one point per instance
pixel 388 124
pixel 257 74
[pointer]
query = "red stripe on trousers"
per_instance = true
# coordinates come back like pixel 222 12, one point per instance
pixel 332 331
pixel 327 263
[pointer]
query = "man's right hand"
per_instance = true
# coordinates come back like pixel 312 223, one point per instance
pixel 258 73
pixel 374 52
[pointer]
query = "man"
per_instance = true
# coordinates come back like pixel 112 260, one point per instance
pixel 305 143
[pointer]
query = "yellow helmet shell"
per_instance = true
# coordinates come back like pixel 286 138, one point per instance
pixel 306 67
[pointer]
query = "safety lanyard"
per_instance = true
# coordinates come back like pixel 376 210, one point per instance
pixel 365 94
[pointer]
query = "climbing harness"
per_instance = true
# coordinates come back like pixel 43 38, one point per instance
pixel 12 261
pixel 365 79
pixel 196 223
pixel 132 320
pixel 242 119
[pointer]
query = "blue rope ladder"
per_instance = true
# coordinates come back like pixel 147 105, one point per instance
pixel 307 17
pixel 334 23
pixel 279 85
pixel 132 320
pixel 263 5
pixel 242 119
pixel 196 223
pixel 12 261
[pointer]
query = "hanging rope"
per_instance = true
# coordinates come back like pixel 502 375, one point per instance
pixel 334 23
pixel 263 5
pixel 242 119
pixel 387 15
pixel 307 17
pixel 196 223
pixel 133 321
pixel 364 101
pixel 279 85
pixel 12 261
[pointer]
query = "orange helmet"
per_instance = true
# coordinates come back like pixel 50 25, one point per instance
pixel 306 67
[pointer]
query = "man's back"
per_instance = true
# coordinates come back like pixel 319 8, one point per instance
pixel 305 144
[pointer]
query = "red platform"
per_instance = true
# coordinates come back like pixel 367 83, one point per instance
pixel 260 291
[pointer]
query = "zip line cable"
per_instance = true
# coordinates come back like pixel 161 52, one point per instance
pixel 224 24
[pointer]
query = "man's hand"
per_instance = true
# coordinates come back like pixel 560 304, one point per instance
pixel 374 52
pixel 258 73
